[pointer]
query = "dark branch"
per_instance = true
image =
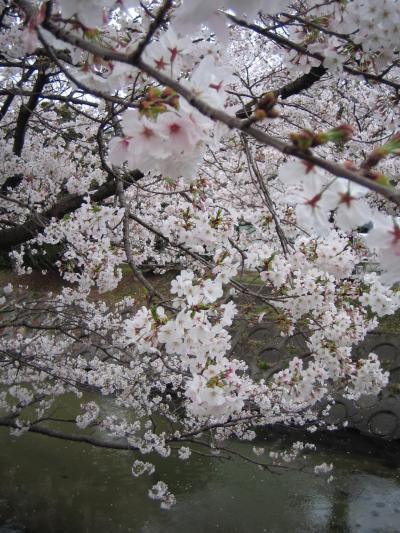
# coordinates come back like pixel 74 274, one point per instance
pixel 290 45
pixel 290 89
pixel 86 439
pixel 12 92
pixel 301 84
pixel 37 222
pixel 26 111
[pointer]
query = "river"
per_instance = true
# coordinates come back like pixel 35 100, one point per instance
pixel 48 485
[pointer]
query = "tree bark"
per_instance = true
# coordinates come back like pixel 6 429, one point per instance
pixel 37 222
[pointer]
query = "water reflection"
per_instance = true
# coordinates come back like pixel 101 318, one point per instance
pixel 52 486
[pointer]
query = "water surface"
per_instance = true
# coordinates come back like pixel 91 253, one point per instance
pixel 48 485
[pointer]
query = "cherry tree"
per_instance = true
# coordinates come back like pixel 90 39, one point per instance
pixel 214 138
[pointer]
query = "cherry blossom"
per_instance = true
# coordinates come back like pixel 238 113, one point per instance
pixel 189 139
pixel 385 239
pixel 352 211
pixel 313 205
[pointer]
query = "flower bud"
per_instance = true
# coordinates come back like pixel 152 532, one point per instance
pixel 273 113
pixel 392 147
pixel 167 92
pixel 341 134
pixel 265 107
pixel 260 114
pixel 267 101
pixel 378 177
pixel 302 140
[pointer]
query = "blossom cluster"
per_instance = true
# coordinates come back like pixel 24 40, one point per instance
pixel 137 162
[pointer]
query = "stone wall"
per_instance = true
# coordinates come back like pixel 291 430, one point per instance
pixel 266 352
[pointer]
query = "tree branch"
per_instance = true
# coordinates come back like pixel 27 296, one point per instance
pixel 218 114
pixel 12 92
pixel 294 87
pixel 26 111
pixel 37 222
pixel 85 439
pixel 286 43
